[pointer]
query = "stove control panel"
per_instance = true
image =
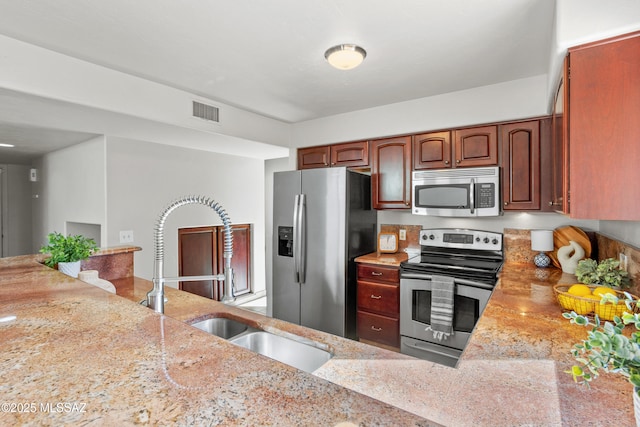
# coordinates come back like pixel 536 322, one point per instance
pixel 461 238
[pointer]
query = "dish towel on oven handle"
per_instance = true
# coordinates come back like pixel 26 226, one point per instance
pixel 442 292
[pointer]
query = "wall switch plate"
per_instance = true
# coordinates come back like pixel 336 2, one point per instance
pixel 402 235
pixel 126 236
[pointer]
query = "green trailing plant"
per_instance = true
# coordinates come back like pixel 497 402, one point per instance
pixel 607 348
pixel 67 248
pixel 605 273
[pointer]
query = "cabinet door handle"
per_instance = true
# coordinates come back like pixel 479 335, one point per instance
pixel 458 161
pixel 376 296
pixel 446 162
pixel 373 328
pixel 375 273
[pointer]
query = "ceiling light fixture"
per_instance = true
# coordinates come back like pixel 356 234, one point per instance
pixel 7 145
pixel 345 56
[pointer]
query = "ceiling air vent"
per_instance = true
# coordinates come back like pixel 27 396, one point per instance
pixel 206 112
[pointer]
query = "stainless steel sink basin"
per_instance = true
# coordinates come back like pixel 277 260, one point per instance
pixel 285 350
pixel 222 327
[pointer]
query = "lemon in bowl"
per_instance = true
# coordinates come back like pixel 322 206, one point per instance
pixel 579 290
pixel 602 290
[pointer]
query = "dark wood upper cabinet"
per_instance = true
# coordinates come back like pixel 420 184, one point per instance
pixel 520 143
pixel 201 252
pixel 604 129
pixel 560 146
pixel 313 157
pixel 477 146
pixel 391 173
pixel 350 154
pixel 432 150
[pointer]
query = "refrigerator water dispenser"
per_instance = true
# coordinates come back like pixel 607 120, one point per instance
pixel 285 241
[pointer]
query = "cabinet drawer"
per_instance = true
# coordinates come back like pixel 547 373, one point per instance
pixel 378 273
pixel 381 329
pixel 378 297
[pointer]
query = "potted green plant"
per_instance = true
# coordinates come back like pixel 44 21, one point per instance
pixel 67 252
pixel 608 349
pixel 604 273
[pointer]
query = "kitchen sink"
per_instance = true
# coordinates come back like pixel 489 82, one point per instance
pixel 285 350
pixel 222 327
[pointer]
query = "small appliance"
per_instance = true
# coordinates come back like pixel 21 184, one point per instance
pixel 461 192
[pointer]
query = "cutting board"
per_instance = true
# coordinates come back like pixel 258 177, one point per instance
pixel 562 236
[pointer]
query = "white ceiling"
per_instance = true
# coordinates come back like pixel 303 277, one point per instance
pixel 268 56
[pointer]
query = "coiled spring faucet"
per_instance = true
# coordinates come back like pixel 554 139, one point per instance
pixel 155 297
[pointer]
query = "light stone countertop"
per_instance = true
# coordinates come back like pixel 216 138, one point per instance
pixel 75 343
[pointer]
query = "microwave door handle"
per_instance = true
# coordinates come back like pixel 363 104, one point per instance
pixel 472 195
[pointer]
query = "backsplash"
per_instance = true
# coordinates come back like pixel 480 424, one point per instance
pixel 517 248
pixel 413 235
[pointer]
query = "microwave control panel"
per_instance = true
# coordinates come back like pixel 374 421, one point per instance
pixel 485 194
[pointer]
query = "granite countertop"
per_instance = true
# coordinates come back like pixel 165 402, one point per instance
pixel 392 260
pixel 74 343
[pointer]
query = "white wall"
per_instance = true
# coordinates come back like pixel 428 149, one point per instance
pixel 27 68
pixel 512 100
pixel 70 187
pixel 16 210
pixel 143 178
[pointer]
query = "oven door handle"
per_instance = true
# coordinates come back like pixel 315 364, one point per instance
pixel 457 281
pixel 430 350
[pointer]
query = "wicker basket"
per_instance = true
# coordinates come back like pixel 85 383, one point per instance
pixel 591 306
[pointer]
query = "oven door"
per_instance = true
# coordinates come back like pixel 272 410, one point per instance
pixel 470 300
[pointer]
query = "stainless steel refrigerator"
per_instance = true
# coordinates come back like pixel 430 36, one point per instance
pixel 322 221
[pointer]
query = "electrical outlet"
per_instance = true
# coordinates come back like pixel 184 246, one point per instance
pixel 403 234
pixel 623 261
pixel 126 236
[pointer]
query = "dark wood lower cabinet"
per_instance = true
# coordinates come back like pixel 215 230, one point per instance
pixel 201 252
pixel 378 316
pixel 378 329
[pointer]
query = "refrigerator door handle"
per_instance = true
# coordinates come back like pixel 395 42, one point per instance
pixel 296 239
pixel 302 233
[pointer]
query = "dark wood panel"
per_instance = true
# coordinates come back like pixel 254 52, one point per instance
pixel 477 146
pixel 197 255
pixel 546 199
pixel 560 183
pixel 379 298
pixel 241 259
pixel 201 252
pixel 382 329
pixel 432 150
pixel 378 273
pixel 350 154
pixel 391 173
pixel 313 157
pixel 604 129
pixel 521 165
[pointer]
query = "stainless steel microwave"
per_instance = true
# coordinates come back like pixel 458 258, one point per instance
pixel 462 192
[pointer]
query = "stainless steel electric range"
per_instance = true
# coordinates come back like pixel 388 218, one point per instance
pixel 472 259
